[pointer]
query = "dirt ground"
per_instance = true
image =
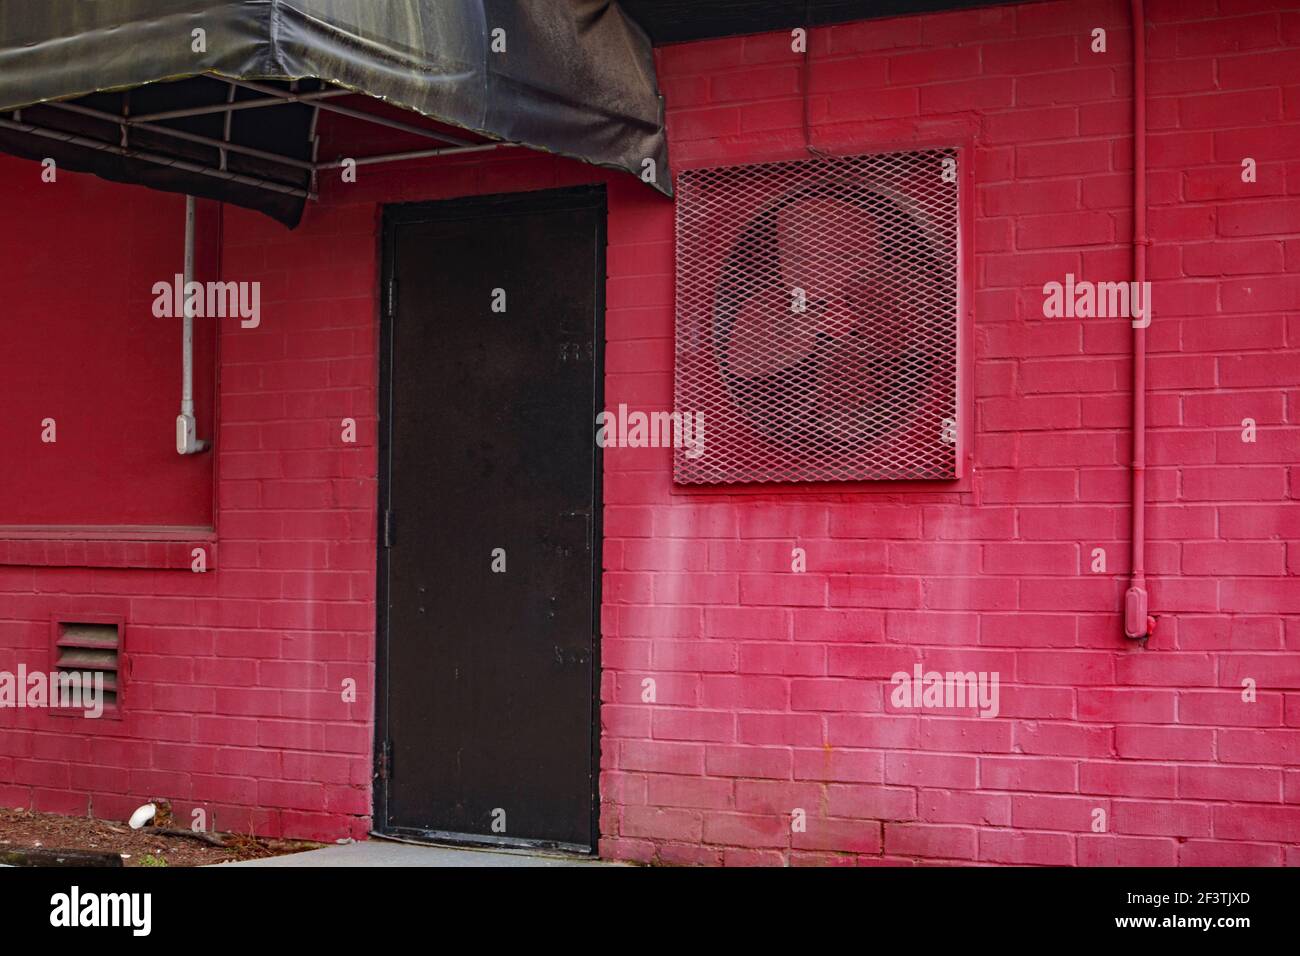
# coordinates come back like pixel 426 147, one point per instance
pixel 24 829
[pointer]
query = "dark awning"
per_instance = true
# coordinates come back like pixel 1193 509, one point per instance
pixel 675 21
pixel 133 93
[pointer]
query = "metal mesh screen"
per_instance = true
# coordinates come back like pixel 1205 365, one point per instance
pixel 817 319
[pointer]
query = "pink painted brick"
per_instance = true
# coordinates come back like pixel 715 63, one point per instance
pixel 930 841
pixel 1026 848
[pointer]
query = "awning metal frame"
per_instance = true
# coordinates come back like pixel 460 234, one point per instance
pixel 318 100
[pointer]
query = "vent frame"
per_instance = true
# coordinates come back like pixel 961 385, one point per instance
pixel 958 318
pixel 73 618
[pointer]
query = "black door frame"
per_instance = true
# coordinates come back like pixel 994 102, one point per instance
pixel 394 215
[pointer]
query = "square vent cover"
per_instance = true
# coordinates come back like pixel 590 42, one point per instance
pixel 817 319
pixel 86 649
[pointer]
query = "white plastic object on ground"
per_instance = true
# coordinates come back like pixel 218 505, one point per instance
pixel 142 816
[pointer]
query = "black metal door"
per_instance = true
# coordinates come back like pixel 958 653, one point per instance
pixel 489 537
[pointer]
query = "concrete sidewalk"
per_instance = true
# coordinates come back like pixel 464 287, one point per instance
pixel 388 853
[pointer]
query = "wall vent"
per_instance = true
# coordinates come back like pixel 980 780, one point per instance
pixel 89 648
pixel 817 319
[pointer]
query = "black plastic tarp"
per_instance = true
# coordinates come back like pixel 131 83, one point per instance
pixel 576 77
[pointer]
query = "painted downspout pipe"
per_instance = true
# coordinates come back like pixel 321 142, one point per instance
pixel 1137 621
pixel 187 442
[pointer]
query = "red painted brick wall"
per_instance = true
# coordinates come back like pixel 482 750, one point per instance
pixel 772 687
pixel 232 699
pixel 81 347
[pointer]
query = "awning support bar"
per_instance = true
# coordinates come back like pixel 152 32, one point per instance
pixel 230 107
pixel 416 154
pixel 182 134
pixel 227 121
pixel 358 114
pixel 156 159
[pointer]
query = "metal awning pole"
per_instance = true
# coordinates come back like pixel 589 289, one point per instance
pixel 186 441
pixel 223 145
pixel 226 125
pixel 147 157
pixel 313 137
pixel 415 154
pixel 358 114
pixel 230 107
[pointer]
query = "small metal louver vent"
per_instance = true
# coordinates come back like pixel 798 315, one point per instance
pixel 88 648
pixel 817 319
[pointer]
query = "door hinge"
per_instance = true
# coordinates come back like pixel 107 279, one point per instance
pixel 390 306
pixel 384 761
pixel 388 533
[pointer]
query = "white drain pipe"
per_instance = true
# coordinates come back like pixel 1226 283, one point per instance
pixel 187 442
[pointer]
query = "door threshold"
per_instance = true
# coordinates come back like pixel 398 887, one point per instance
pixel 476 841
